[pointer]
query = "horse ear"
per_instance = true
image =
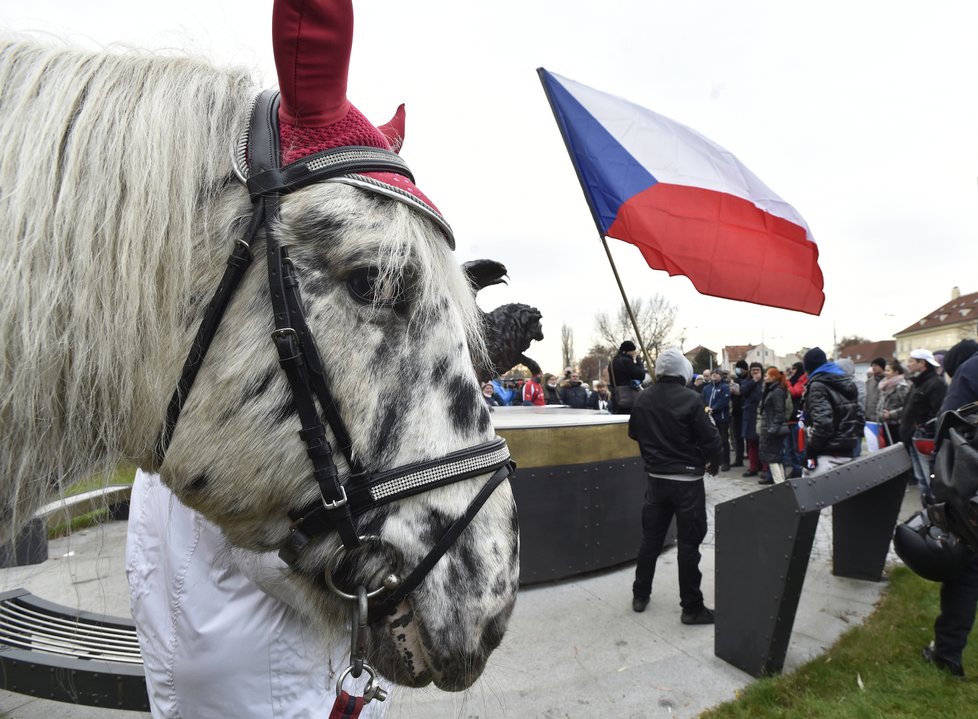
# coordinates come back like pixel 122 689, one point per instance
pixel 312 40
pixel 394 130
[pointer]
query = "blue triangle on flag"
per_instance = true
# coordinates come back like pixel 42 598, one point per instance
pixel 607 171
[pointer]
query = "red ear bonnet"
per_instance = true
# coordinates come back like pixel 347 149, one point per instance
pixel 312 40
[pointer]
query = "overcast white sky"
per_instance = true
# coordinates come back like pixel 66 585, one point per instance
pixel 862 115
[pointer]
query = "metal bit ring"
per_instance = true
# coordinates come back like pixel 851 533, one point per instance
pixel 333 560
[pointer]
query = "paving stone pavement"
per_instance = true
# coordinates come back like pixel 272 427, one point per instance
pixel 574 649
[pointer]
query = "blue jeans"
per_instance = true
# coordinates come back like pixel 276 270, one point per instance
pixel 921 467
pixel 790 456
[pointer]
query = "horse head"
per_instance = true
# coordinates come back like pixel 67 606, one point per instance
pixel 388 326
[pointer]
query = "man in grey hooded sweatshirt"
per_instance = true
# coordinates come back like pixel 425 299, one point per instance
pixel 679 443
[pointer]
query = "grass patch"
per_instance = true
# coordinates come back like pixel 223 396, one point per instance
pixel 83 521
pixel 884 654
pixel 123 474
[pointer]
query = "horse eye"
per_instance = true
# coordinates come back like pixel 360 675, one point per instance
pixel 365 287
pixel 360 283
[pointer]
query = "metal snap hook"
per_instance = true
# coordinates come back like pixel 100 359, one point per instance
pixel 333 560
pixel 358 634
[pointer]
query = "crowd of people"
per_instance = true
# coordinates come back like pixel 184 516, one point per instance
pixel 626 373
pixel 802 421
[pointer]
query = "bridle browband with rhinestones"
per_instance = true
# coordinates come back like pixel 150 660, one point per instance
pixel 340 503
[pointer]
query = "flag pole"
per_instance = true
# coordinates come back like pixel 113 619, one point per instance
pixel 628 307
pixel 561 124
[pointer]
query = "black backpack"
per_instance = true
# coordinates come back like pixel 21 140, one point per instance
pixel 955 481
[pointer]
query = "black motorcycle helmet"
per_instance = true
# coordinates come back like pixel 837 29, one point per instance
pixel 928 550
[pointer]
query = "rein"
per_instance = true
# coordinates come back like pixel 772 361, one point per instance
pixel 340 503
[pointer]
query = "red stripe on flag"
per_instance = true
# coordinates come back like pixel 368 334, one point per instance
pixel 727 246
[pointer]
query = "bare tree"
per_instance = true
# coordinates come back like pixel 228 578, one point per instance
pixel 704 360
pixel 567 345
pixel 655 317
pixel 594 365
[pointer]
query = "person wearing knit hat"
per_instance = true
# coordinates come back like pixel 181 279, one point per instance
pixel 873 378
pixel 813 359
pixel 678 443
pixel 961 365
pixel 834 419
pixel 959 596
pixel 625 373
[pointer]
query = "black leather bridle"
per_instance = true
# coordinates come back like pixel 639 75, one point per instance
pixel 340 503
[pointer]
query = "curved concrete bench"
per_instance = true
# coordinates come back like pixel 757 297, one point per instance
pixel 54 652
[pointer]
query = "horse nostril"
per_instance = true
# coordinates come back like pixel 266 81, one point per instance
pixel 199 483
pixel 492 636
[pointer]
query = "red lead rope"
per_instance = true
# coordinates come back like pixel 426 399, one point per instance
pixel 346 706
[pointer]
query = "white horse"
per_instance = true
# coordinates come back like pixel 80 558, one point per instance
pixel 118 208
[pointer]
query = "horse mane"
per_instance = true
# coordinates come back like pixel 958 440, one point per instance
pixel 102 221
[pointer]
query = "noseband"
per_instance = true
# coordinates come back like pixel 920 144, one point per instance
pixel 340 503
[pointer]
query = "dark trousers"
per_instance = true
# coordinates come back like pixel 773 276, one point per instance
pixel 959 600
pixel 724 429
pixel 753 455
pixel 665 498
pixel 737 436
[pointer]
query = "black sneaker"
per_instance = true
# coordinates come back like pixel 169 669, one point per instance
pixel 951 667
pixel 750 473
pixel 639 604
pixel 724 467
pixel 703 616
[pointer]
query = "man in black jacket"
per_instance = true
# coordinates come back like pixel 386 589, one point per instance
pixel 678 442
pixel 959 596
pixel 834 419
pixel 927 390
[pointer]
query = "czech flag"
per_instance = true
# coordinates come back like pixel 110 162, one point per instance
pixel 689 205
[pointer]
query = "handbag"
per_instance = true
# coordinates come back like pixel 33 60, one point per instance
pixel 955 480
pixel 624 395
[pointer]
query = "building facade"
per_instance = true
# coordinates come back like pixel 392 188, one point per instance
pixel 942 328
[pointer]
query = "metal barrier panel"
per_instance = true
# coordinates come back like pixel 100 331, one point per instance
pixel 578 518
pixel 579 488
pixel 764 541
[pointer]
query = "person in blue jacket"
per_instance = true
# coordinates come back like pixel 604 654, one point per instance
pixel 716 397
